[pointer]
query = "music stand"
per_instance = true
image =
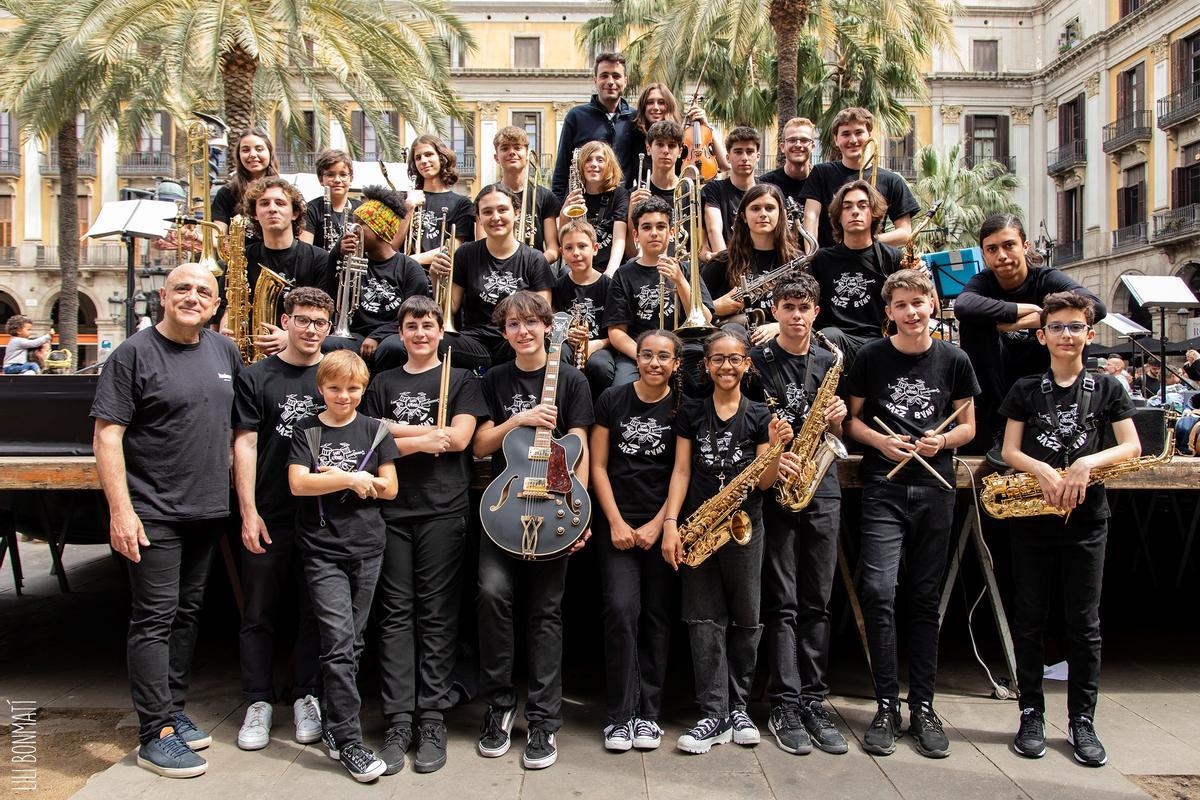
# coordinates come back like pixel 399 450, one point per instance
pixel 1164 293
pixel 132 220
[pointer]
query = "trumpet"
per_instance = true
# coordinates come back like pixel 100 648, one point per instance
pixel 575 184
pixel 643 181
pixel 695 325
pixel 442 289
pixel 527 219
pixel 351 271
pixel 412 240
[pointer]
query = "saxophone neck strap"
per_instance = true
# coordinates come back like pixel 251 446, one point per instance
pixel 737 431
pixel 1081 391
pixel 774 370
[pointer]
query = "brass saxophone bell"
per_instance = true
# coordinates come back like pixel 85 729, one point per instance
pixel 740 530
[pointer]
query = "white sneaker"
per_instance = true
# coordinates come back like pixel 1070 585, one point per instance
pixel 255 733
pixel 647 735
pixel 619 737
pixel 745 732
pixel 306 713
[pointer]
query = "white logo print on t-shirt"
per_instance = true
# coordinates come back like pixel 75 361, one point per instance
pixel 413 408
pixel 1068 427
pixel 911 397
pixel 378 296
pixel 499 285
pixel 642 435
pixel 521 402
pixel 293 409
pixel 340 457
pixel 647 302
pixel 852 290
pixel 585 308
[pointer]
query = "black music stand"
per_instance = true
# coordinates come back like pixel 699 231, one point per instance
pixel 133 220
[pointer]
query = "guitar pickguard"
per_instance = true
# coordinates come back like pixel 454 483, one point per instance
pixel 558 475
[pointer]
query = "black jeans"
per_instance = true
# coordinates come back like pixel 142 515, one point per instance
pixel 166 595
pixel 721 601
pixel 542 583
pixel 341 592
pixel 801 558
pixel 599 370
pixel 418 616
pixel 640 594
pixel 848 343
pixel 1047 554
pixel 267 580
pixel 917 519
pixel 625 370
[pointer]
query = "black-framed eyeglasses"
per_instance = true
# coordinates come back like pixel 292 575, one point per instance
pixel 316 323
pixel 734 360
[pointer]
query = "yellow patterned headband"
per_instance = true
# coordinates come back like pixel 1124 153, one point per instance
pixel 379 218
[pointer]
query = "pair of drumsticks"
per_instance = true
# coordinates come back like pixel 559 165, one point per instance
pixel 945 423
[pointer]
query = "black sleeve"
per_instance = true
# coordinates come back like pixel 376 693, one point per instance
pixel 246 413
pixel 760 423
pixel 562 161
pixel 386 451
pixel 551 205
pixel 540 276
pixel 705 295
pixel 576 409
pixel 715 275
pixel 965 382
pixel 1120 404
pixel 313 221
pixel 301 453
pixel 855 383
pixel 974 304
pixel 616 309
pixel 901 203
pixel 458 272
pixel 223 205
pixel 469 398
pixel 487 385
pixel 463 217
pixel 710 195
pixel 620 204
pixel 604 406
pixel 1016 404
pixel 814 186
pixel 116 392
pixel 687 418
pixel 413 279
pixel 372 402
pixel 1056 280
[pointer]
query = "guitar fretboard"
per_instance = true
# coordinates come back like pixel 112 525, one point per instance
pixel 549 390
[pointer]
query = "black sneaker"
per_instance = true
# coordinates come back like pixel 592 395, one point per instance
pixel 330 744
pixel 495 733
pixel 431 747
pixel 708 731
pixel 1081 733
pixel 788 731
pixel 170 757
pixel 540 751
pixel 619 737
pixel 745 732
pixel 1031 736
pixel 395 745
pixel 880 738
pixel 361 763
pixel 926 729
pixel 187 730
pixel 821 729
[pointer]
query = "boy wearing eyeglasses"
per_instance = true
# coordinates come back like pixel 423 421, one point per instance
pixel 271 396
pixel 1055 428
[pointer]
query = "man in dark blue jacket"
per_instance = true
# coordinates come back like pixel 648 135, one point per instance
pixel 607 118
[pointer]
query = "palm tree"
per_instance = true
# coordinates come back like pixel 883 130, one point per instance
pixel 968 194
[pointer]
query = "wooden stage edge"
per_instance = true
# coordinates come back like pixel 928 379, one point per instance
pixel 79 472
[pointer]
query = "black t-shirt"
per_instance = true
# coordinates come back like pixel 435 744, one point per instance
pixel 1065 438
pixel 589 300
pixel 341 524
pixel 641 449
pixel 720 449
pixel 509 390
pixel 460 213
pixel 302 263
pixel 602 211
pixel 430 486
pixel 314 221
pixel 633 298
pixel 271 397
pixel 911 394
pixel 487 280
pixel 386 285
pixel 716 277
pixel 224 205
pixel 793 382
pixel 826 178
pixel 725 197
pixel 1192 370
pixel 545 205
pixel 174 401
pixel 851 287
pixel 793 203
pixel 680 224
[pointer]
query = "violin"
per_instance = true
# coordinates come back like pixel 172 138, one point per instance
pixel 700 153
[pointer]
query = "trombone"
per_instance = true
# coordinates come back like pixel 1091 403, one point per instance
pixel 200 135
pixel 526 219
pixel 870 162
pixel 442 288
pixel 695 325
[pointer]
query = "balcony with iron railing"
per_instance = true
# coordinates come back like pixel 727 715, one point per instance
pixel 50 163
pixel 291 162
pixel 1007 163
pixel 379 155
pixel 8 256
pixel 1067 253
pixel 1071 154
pixel 1179 106
pixel 1130 237
pixel 1176 223
pixel 146 163
pixel 466 163
pixel 1127 131
pixel 904 166
pixel 94 255
pixel 10 162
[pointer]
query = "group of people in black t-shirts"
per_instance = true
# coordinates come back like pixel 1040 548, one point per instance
pixel 350 488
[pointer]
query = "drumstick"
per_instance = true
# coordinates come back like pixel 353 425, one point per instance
pixel 920 460
pixel 936 431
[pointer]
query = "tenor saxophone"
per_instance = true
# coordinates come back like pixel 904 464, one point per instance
pixel 816 447
pixel 720 517
pixel 237 289
pixel 1020 494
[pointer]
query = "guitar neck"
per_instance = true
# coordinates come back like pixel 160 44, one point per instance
pixel 549 391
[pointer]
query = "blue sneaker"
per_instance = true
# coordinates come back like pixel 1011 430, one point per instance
pixel 170 757
pixel 194 737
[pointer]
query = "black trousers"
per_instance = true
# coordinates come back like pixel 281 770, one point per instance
pixel 268 580
pixel 352 342
pixel 641 594
pixel 418 616
pixel 341 592
pixel 721 602
pixel 542 583
pixel 166 595
pixel 916 519
pixel 599 370
pixel 801 557
pixel 848 343
pixel 1048 555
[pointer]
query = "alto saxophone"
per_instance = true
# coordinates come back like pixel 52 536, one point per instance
pixel 237 289
pixel 351 270
pixel 1020 494
pixel 720 517
pixel 267 290
pixel 816 447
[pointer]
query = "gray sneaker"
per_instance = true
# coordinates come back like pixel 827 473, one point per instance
pixel 170 757
pixel 789 733
pixel 821 729
pixel 880 738
pixel 193 736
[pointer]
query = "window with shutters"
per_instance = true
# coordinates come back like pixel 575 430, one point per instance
pixel 84 204
pixel 1130 6
pixel 1131 197
pixel 1070 215
pixel 1070 121
pixel 156 137
pixel 985 55
pixel 8 132
pixel 6 221
pixel 1131 91
pixel 531 123
pixel 462 142
pixel 527 52
pixel 987 139
pixel 368 138
pixel 1185 179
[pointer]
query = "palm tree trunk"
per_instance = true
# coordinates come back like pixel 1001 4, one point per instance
pixel 237 81
pixel 68 236
pixel 788 18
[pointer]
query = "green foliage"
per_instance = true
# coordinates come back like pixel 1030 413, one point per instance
pixel 969 194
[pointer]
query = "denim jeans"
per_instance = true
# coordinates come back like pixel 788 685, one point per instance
pixel 801 557
pixel 721 601
pixel 418 616
pixel 542 583
pixel 1047 554
pixel 167 593
pixel 916 519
